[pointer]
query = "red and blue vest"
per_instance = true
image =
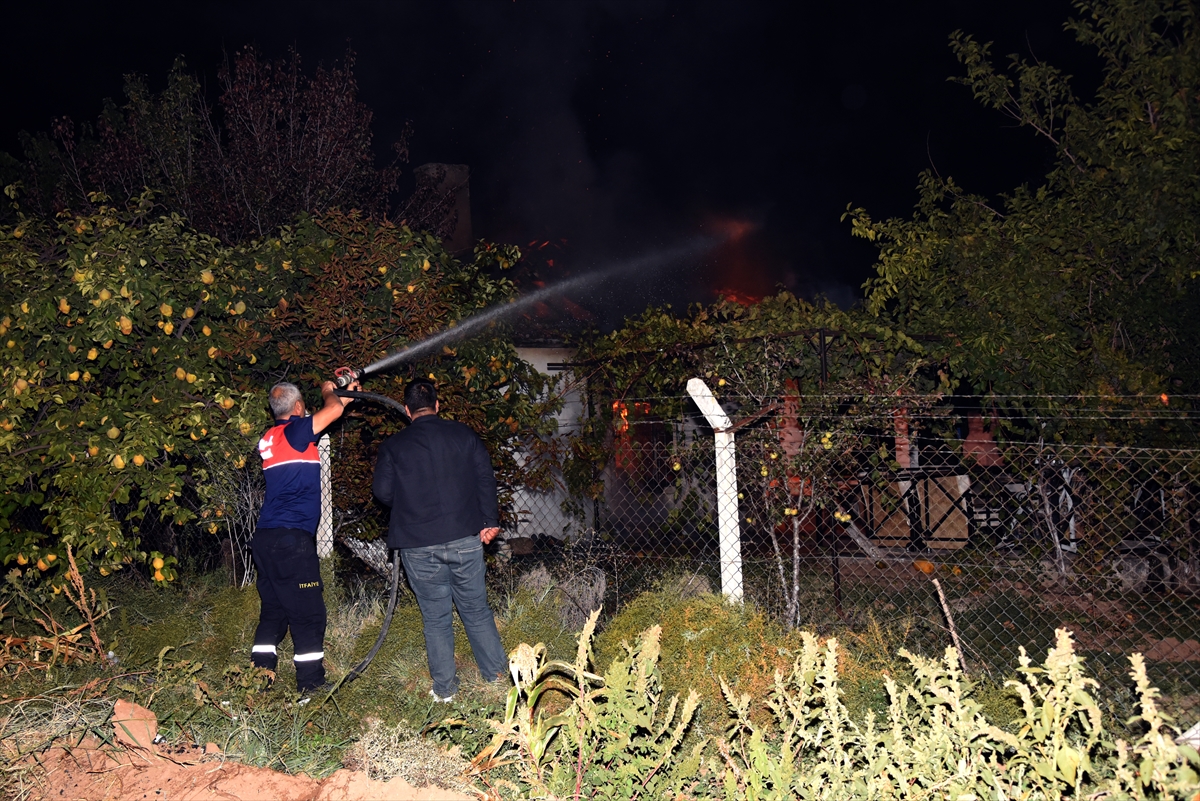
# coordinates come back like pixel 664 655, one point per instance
pixel 293 476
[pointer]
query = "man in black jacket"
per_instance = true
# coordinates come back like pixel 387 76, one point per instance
pixel 437 478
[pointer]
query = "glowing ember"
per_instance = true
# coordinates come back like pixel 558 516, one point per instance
pixel 740 298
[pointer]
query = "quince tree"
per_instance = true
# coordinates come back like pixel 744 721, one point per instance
pixel 135 352
pixel 121 372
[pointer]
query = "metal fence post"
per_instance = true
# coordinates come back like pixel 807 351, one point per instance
pixel 325 526
pixel 728 521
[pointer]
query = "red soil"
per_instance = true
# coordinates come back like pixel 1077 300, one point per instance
pixel 143 770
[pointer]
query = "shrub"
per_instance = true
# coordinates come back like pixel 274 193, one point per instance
pixel 704 638
pixel 121 345
pixel 134 352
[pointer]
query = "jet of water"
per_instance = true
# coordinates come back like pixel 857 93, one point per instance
pixel 655 260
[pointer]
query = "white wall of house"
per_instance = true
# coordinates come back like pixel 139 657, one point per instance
pixel 540 513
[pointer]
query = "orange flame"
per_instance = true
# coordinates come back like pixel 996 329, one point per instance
pixel 623 437
pixel 740 298
pixel 741 261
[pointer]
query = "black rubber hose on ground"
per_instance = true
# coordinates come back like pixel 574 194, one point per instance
pixel 387 622
pixel 358 669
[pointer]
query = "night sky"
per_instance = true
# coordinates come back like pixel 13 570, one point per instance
pixel 618 127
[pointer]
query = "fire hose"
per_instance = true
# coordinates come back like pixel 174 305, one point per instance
pixel 358 669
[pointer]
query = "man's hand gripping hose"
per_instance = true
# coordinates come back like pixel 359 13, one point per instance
pixel 345 376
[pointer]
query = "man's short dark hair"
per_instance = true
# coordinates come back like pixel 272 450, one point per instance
pixel 420 394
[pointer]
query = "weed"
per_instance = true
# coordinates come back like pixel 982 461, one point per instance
pixel 531 616
pixel 60 643
pixel 935 741
pixel 32 724
pixel 704 639
pixel 386 751
pixel 359 609
pixel 614 738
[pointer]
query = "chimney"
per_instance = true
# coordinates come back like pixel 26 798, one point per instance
pixel 452 182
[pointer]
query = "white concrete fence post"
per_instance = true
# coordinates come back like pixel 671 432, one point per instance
pixel 325 526
pixel 728 519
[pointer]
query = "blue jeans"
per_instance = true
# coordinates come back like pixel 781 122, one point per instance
pixel 446 577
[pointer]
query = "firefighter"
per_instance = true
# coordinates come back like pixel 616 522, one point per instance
pixel 284 545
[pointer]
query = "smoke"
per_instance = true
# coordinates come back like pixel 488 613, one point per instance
pixel 555 175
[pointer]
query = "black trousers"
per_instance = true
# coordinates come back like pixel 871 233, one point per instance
pixel 289 585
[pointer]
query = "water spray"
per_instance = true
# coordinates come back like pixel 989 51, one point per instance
pixel 470 325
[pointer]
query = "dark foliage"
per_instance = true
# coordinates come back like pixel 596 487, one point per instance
pixel 277 142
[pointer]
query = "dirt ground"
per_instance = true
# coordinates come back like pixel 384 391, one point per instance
pixel 100 775
pixel 137 768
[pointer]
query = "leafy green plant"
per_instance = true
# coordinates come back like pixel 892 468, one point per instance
pixel 1084 282
pixel 614 738
pixel 134 352
pixel 121 336
pixel 935 742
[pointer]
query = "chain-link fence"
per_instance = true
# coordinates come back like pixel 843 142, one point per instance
pixel 875 512
pixel 853 514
